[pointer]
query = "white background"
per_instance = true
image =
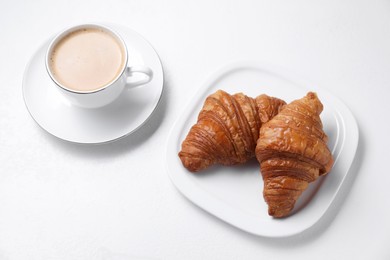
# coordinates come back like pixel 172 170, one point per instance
pixel 64 201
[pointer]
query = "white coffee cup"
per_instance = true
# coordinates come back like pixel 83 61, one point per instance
pixel 71 67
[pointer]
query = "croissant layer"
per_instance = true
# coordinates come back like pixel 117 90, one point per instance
pixel 292 151
pixel 227 130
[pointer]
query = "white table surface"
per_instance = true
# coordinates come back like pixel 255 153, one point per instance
pixel 64 201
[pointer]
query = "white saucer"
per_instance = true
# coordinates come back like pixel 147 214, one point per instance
pixel 91 126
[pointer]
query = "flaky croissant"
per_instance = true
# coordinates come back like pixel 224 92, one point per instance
pixel 227 130
pixel 292 152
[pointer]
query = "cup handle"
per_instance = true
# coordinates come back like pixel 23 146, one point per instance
pixel 148 75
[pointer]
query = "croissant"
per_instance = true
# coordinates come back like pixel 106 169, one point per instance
pixel 227 130
pixel 292 152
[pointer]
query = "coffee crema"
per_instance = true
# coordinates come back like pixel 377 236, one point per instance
pixel 87 59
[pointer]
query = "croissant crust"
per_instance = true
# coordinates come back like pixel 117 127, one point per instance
pixel 292 152
pixel 227 130
pixel 287 140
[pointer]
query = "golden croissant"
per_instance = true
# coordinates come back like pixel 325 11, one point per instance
pixel 227 130
pixel 292 152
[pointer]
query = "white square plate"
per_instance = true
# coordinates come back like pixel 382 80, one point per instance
pixel 235 194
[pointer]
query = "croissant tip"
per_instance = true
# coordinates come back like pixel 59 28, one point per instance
pixel 312 95
pixel 193 164
pixel 278 213
pixel 315 102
